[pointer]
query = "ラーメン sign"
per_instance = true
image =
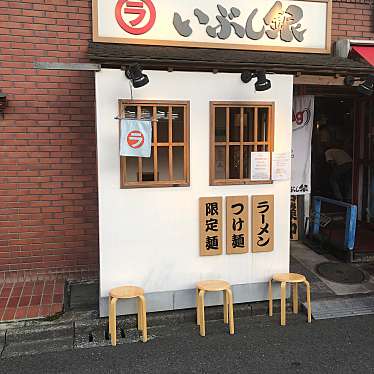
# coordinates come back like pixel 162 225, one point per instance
pixel 301 26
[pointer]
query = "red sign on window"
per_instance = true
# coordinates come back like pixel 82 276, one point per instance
pixel 135 139
pixel 135 17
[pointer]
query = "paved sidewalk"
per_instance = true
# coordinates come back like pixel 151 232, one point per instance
pixel 30 299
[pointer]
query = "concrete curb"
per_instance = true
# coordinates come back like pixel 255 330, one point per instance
pixel 75 330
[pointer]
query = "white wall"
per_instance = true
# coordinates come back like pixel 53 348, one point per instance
pixel 150 237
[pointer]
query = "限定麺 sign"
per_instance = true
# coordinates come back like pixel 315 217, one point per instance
pixel 301 26
pixel 210 212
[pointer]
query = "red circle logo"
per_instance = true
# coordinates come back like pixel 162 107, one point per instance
pixel 135 16
pixel 135 139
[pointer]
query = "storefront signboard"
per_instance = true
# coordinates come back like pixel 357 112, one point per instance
pixel 237 225
pixel 299 26
pixel 210 209
pixel 262 223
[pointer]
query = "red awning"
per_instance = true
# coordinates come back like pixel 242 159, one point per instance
pixel 365 52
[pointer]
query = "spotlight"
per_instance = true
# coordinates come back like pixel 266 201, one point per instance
pixel 367 88
pixel 262 84
pixel 135 74
pixel 246 76
pixel 349 80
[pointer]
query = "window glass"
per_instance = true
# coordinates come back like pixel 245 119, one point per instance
pixel 169 161
pixel 250 131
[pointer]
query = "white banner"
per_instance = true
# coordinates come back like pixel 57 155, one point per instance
pixel 135 138
pixel 300 26
pixel 302 129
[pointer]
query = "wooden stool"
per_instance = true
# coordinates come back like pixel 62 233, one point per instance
pixel 228 310
pixel 295 279
pixel 127 292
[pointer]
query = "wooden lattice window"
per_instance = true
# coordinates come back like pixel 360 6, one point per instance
pixel 237 129
pixel 169 164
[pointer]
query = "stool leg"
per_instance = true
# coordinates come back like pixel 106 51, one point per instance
pixel 308 301
pixel 270 298
pixel 110 314
pixel 283 303
pixel 140 315
pixel 113 314
pixel 295 298
pixel 225 308
pixel 144 318
pixel 231 311
pixel 202 312
pixel 197 307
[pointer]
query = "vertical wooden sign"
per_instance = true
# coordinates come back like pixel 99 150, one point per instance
pixel 210 212
pixel 262 223
pixel 294 222
pixel 237 225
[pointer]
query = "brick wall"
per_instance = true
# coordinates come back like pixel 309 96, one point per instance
pixel 48 187
pixel 353 19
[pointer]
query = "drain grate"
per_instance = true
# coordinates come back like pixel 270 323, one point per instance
pixel 342 307
pixel 340 273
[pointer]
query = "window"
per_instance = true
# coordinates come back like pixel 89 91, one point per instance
pixel 169 162
pixel 237 129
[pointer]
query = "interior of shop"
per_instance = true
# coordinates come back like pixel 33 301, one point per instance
pixel 342 165
pixel 332 148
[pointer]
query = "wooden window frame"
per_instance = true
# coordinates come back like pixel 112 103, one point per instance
pixel 270 143
pixel 155 145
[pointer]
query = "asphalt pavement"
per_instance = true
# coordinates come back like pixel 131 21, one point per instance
pixel 260 345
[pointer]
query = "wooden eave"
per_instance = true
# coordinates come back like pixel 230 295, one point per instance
pixel 221 60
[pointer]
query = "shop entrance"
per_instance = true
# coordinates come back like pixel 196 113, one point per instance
pixel 332 148
pixel 343 166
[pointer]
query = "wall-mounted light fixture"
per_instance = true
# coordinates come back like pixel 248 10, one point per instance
pixel 262 84
pixel 3 103
pixel 365 88
pixel 135 74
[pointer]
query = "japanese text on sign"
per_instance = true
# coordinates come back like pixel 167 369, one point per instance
pixel 279 22
pixel 263 223
pixel 237 224
pixel 210 226
pixel 294 226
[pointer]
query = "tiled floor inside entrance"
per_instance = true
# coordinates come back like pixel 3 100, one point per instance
pixel 30 299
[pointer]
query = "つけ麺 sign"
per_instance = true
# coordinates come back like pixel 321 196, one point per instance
pixel 296 25
pixel 237 224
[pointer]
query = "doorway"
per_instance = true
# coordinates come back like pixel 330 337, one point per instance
pixel 344 131
pixel 332 148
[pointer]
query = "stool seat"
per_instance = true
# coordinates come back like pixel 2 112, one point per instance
pixel 126 292
pixel 289 277
pixel 213 285
pixel 228 309
pixel 294 279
